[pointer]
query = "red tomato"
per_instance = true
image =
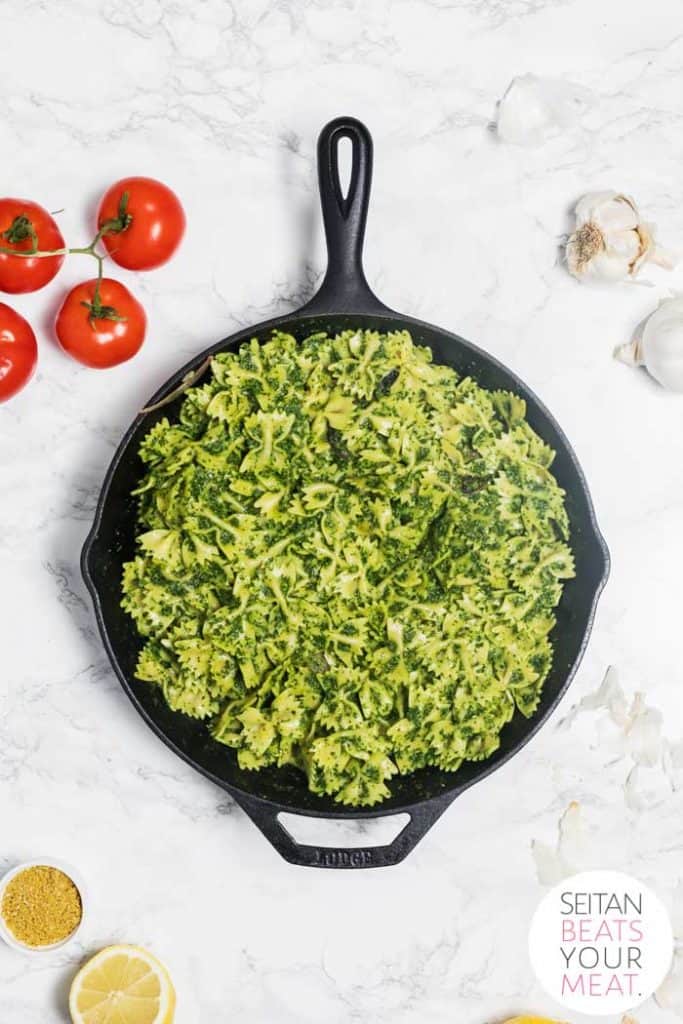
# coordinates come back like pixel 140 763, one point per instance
pixel 101 334
pixel 147 223
pixel 18 352
pixel 24 226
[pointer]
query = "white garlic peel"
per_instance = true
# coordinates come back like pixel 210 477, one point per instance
pixel 535 109
pixel 610 242
pixel 659 345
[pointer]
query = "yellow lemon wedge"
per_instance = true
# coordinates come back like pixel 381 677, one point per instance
pixel 531 1020
pixel 122 985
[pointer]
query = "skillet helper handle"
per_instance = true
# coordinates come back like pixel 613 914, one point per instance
pixel 266 818
pixel 345 288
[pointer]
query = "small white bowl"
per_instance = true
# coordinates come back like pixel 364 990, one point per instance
pixel 47 862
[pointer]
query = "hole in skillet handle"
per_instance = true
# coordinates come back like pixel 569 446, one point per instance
pixel 335 832
pixel 344 288
pixel 345 160
pixel 266 816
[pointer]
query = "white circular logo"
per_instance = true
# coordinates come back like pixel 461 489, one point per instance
pixel 600 942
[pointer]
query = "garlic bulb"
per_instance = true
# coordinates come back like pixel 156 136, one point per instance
pixel 534 109
pixel 610 242
pixel 658 345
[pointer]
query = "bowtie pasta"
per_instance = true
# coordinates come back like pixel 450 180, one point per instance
pixel 348 560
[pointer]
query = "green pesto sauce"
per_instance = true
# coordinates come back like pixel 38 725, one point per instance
pixel 349 560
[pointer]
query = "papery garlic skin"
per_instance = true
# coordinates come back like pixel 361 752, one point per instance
pixel 610 242
pixel 534 109
pixel 659 345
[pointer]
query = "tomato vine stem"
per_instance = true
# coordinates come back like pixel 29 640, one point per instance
pixel 22 229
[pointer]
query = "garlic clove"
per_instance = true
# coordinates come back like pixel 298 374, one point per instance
pixel 606 266
pixel 589 256
pixel 610 211
pixel 629 246
pixel 662 345
pixel 659 345
pixel 610 242
pixel 534 109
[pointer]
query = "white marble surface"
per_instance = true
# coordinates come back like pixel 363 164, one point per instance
pixel 224 101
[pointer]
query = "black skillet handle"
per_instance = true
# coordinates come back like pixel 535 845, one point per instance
pixel 266 818
pixel 344 288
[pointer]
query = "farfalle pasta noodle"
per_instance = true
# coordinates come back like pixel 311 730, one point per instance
pixel 349 559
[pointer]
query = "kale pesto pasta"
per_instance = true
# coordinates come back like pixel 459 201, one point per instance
pixel 348 560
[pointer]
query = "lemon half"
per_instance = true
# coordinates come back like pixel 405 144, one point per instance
pixel 122 985
pixel 531 1020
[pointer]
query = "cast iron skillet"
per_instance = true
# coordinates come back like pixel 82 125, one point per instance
pixel 343 301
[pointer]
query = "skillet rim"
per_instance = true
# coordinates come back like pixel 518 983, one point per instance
pixel 485 768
